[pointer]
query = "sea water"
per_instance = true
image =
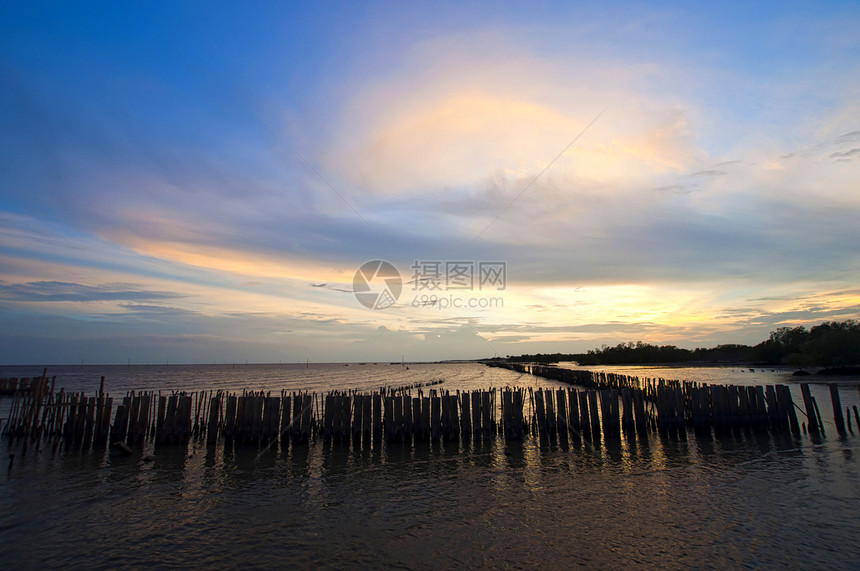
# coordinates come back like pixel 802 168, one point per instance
pixel 744 499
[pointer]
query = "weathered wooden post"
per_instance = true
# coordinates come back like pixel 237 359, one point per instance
pixel 486 412
pixel 476 414
pixel 584 416
pixel 367 419
pixel 837 409
pixel 595 419
pixel 358 407
pixel 783 395
pixel 551 418
pixel 328 417
pixel 561 406
pixel 425 418
pixel 540 413
pixel 307 417
pixel 408 424
pixel 627 425
pixel 377 417
pixel 811 418
pixel 573 410
pixel 435 418
pixel 214 417
pixel 465 415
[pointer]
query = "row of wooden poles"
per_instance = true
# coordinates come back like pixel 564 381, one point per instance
pixel 611 406
pixel 261 417
pixel 12 385
pixel 392 415
pixel 680 404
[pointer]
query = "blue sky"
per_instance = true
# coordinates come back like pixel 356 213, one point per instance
pixel 200 182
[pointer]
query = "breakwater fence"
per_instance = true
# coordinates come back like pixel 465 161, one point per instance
pixel 11 386
pixel 673 405
pixel 595 406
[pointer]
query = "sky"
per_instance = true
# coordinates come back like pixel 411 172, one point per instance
pixel 194 182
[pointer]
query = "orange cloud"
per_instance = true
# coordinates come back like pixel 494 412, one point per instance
pixel 452 121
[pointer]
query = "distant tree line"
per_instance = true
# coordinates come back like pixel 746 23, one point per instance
pixel 831 344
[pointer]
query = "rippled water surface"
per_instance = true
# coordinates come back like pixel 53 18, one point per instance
pixel 740 500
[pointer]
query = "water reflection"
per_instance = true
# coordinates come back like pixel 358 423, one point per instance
pixel 728 499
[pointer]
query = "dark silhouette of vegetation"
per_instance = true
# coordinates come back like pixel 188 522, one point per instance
pixel 831 344
pixel 639 352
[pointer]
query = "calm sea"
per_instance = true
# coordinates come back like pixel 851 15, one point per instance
pixel 747 500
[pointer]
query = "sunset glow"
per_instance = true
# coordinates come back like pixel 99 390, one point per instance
pixel 204 190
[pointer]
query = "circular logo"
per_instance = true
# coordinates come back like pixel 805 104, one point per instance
pixel 377 284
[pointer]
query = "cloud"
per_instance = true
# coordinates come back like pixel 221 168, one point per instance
pixel 851 137
pixel 333 287
pixel 454 115
pixel 846 155
pixel 141 209
pixel 432 151
pixel 65 291
pixel 710 172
